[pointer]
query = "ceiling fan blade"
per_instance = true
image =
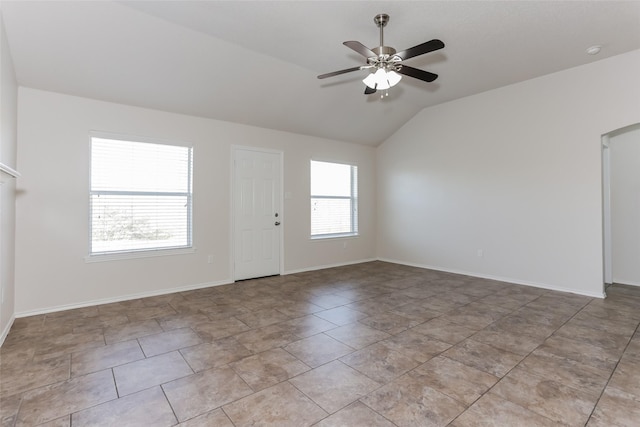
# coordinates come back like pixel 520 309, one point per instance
pixel 420 49
pixel 360 48
pixel 369 91
pixel 416 73
pixel 337 73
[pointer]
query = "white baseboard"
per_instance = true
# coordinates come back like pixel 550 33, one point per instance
pixel 121 298
pixel 6 330
pixel 626 282
pixel 322 267
pixel 501 279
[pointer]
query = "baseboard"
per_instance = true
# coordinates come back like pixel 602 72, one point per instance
pixel 500 279
pixel 121 298
pixel 322 267
pixel 6 330
pixel 626 282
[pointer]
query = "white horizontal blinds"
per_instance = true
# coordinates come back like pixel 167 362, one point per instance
pixel 140 196
pixel 333 199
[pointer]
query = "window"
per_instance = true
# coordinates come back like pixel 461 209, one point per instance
pixel 140 196
pixel 334 199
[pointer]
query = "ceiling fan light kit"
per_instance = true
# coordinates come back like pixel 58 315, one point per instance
pixel 386 63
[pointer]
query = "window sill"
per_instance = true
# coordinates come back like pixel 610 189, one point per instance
pixel 138 254
pixel 335 236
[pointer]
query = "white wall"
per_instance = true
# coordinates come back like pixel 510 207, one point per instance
pixel 625 205
pixel 514 172
pixel 53 204
pixel 8 127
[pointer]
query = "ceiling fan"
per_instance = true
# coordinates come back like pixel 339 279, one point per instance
pixel 386 62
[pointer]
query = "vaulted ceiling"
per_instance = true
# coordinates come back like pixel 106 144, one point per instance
pixel 256 62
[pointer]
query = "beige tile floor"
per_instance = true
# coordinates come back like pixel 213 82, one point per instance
pixel 374 344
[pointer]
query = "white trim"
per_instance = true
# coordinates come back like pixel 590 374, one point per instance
pixel 322 267
pixel 498 278
pixel 606 211
pixel 138 254
pixel 9 171
pixel 122 298
pixel 626 282
pixel 6 330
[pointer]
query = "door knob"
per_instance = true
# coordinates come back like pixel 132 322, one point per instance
pixel 277 222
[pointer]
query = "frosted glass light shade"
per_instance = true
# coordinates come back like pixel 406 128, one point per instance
pixel 382 79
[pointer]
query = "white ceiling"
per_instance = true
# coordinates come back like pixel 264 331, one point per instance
pixel 256 62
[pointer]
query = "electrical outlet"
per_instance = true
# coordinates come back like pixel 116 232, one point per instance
pixel 480 253
pixel 210 259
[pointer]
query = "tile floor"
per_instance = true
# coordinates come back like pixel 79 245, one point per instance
pixel 374 344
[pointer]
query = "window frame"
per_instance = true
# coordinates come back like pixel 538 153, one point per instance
pixel 353 198
pixel 140 252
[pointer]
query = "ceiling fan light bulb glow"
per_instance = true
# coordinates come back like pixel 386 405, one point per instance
pixel 393 78
pixel 382 79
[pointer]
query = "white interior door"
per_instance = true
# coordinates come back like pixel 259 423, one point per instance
pixel 257 213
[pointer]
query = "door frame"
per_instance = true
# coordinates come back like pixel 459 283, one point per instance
pixel 232 238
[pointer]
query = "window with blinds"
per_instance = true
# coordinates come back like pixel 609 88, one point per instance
pixel 140 198
pixel 334 199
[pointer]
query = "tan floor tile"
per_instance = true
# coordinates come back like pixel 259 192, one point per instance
pixel 58 422
pixel 518 344
pixel 318 350
pixel 268 368
pixel 214 354
pixel 356 414
pixel 416 346
pixel 130 331
pixel 307 326
pixel 415 311
pixel 165 342
pixel 262 318
pixel 204 391
pixel 334 385
pixel 593 336
pixel 341 315
pixel 220 328
pixel 546 397
pixel 146 373
pixel 520 325
pixel 357 335
pixel 475 315
pixel 580 351
pixel 259 340
pixel 20 377
pixel 54 345
pixel 215 418
pixel 456 380
pixel 147 407
pixel 146 313
pixel 9 407
pixel 389 322
pixel 616 409
pixel 626 377
pixel 56 400
pixel 444 331
pixel 182 320
pixel 569 372
pixel 104 357
pixel 329 301
pixel 484 357
pixel 380 363
pixel 406 401
pixel 278 406
pixel 493 411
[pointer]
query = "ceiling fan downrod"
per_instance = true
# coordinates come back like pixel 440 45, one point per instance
pixel 381 21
